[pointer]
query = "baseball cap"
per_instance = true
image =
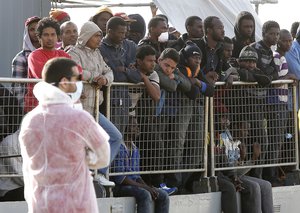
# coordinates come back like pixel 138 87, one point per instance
pixel 124 16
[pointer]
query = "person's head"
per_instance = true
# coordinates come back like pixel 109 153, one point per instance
pixel 245 25
pixel 101 17
pixel 227 48
pixel 240 130
pixel 194 27
pixel 48 32
pixel 270 33
pixel 62 73
pixel 145 59
pixel 168 60
pixel 90 35
pixel 31 25
pixel 116 30
pixel 214 28
pixel 59 15
pixel 285 41
pixel 137 29
pixel 157 26
pixel 248 58
pixel 294 28
pixel 191 54
pixel 69 33
pixel 132 130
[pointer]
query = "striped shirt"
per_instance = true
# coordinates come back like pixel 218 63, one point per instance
pixel 280 93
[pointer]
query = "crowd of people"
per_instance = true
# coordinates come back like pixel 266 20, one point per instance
pixel 115 48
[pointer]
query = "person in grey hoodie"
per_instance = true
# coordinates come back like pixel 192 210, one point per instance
pixel 96 72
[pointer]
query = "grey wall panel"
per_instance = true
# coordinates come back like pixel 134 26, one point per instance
pixel 13 14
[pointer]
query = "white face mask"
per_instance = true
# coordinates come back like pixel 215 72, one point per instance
pixel 75 96
pixel 164 37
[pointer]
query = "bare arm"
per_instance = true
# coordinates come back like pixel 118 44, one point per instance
pixel 152 89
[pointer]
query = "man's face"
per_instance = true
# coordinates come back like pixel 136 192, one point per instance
pixel 193 62
pixel 133 128
pixel 196 30
pixel 227 51
pixel 147 64
pixel 69 34
pixel 217 32
pixel 271 36
pixel 118 35
pixel 248 64
pixel 134 36
pixel 167 65
pixel 247 27
pixel 32 32
pixel 102 19
pixel 159 29
pixel 68 85
pixel 48 38
pixel 285 41
pixel 94 41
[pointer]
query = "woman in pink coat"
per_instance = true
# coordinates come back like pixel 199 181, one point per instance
pixel 59 144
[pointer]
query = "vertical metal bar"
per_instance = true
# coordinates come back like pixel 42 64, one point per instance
pixel 212 138
pixel 108 102
pixel 206 111
pixel 96 107
pixel 295 110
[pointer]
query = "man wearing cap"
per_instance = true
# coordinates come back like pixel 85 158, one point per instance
pixel 101 17
pixel 20 61
pixel 126 18
pixel 190 114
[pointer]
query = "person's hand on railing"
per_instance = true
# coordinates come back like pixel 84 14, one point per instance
pixel 99 81
pixel 212 77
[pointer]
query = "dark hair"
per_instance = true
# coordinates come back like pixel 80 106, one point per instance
pixel 65 24
pixel 208 22
pixel 268 25
pixel 227 40
pixel 144 51
pixel 170 53
pixel 155 21
pixel 114 22
pixel 191 20
pixel 164 17
pixel 47 22
pixel 57 68
pixel 294 27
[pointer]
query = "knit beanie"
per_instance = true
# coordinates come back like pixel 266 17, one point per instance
pixel 58 15
pixel 191 49
pixel 32 19
pixel 248 53
pixel 87 30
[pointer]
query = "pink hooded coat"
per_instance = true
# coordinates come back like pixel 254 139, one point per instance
pixel 58 145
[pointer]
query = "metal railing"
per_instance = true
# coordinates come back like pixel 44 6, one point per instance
pixel 183 135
